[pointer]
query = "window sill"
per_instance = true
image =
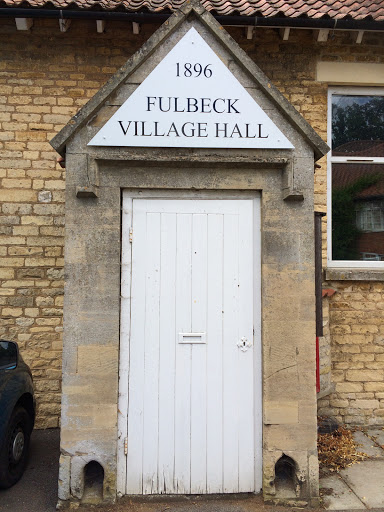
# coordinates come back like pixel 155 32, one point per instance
pixel 354 274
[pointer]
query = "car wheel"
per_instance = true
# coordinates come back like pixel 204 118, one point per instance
pixel 14 453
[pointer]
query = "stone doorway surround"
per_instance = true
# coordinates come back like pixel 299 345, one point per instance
pixel 96 176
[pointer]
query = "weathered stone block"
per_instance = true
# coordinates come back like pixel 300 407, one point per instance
pixel 97 359
pixel 349 387
pixel 64 477
pixel 366 404
pixel 364 375
pixel 281 413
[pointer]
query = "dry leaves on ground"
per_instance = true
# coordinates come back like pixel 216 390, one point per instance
pixel 338 450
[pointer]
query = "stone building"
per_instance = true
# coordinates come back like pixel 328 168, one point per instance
pixel 328 62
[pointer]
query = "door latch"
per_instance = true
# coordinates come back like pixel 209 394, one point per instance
pixel 244 344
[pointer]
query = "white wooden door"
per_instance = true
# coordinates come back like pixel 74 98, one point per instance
pixel 191 370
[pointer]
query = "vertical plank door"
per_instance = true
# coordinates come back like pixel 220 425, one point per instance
pixel 191 388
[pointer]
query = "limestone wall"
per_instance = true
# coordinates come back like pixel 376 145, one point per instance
pixel 45 77
pixel 357 352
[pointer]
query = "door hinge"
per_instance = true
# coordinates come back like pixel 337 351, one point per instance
pixel 130 235
pixel 126 446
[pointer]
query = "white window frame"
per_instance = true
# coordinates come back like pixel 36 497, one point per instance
pixel 352 91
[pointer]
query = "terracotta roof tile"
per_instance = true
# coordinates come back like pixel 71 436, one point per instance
pixel 328 292
pixel 335 9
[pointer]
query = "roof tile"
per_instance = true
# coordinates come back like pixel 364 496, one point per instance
pixel 335 9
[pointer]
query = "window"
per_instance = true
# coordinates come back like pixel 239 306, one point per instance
pixel 356 177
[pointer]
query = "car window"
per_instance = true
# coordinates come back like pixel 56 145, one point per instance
pixel 8 355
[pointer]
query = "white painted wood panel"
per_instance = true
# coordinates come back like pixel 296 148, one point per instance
pixel 199 355
pixel 167 353
pixel 191 411
pixel 214 354
pixel 183 308
pixel 151 356
pixel 136 360
pixel 230 355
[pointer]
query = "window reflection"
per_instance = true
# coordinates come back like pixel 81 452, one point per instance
pixel 357 125
pixel 358 211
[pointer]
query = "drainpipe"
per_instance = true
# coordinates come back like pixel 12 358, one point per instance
pixel 318 291
pixel 149 17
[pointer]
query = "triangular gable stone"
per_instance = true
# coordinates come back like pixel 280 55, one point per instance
pixel 159 37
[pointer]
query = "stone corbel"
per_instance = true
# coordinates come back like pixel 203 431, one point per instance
pixel 91 185
pixel 290 191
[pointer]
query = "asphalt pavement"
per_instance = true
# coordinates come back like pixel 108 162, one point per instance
pixel 37 489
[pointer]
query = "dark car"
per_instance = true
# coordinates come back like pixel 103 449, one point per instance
pixel 17 413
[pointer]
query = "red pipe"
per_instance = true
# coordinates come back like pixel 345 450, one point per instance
pixel 317 365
